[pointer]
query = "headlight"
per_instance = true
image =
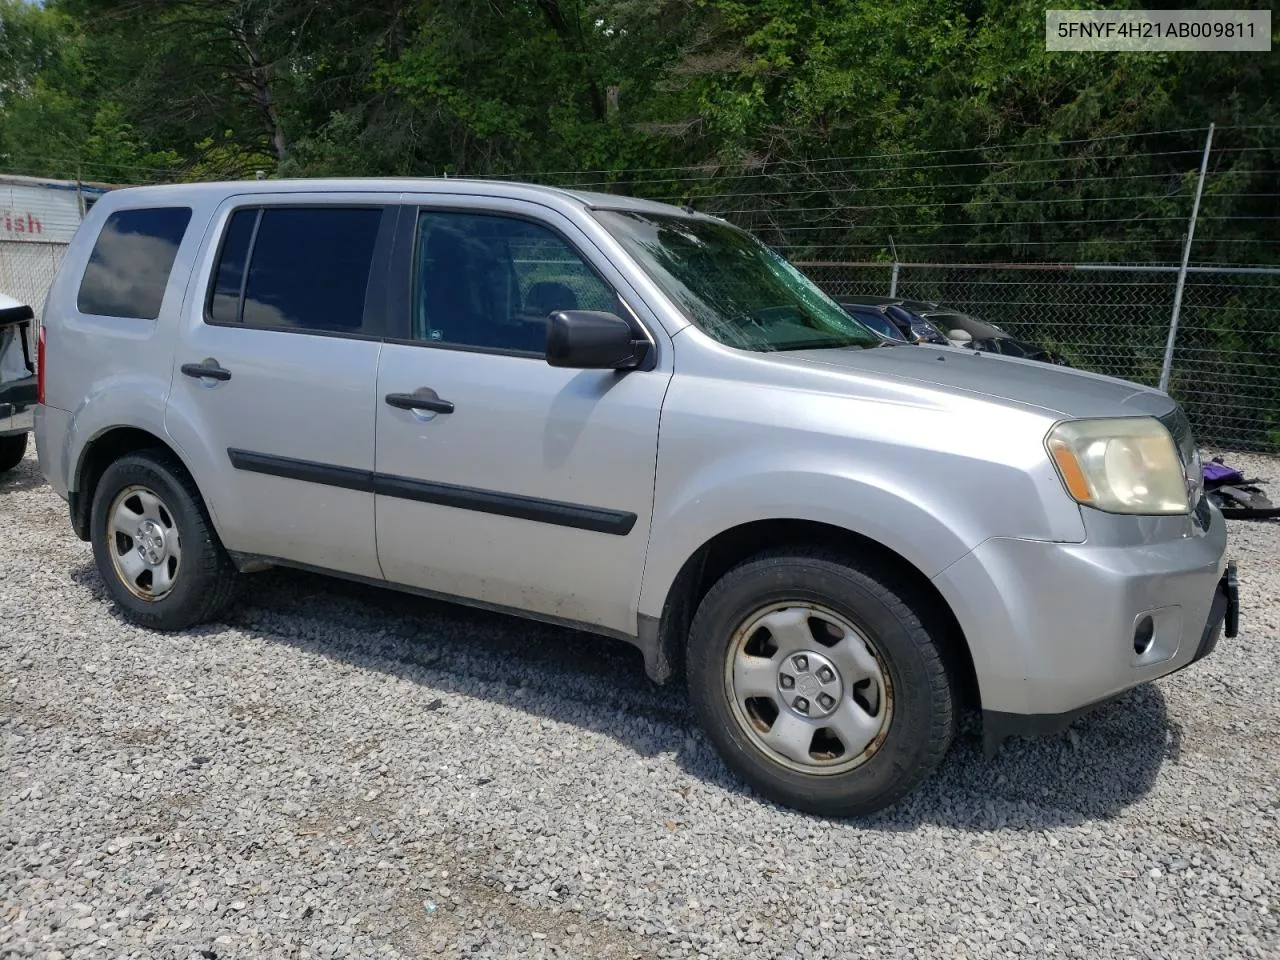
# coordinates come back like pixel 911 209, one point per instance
pixel 1121 465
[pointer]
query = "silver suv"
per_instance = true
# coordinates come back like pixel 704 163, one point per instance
pixel 629 418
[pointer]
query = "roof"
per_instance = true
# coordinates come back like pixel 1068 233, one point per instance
pixel 476 187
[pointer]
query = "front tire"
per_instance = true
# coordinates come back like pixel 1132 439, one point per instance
pixel 820 685
pixel 154 545
pixel 12 449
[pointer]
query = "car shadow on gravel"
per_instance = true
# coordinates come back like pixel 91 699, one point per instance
pixel 24 477
pixel 1108 760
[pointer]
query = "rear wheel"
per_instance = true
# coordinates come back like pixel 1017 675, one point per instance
pixel 819 683
pixel 12 449
pixel 154 546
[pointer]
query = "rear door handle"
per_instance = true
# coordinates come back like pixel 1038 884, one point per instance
pixel 207 368
pixel 425 399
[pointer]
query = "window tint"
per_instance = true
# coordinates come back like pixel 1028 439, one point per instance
pixel 491 282
pixel 308 268
pixel 131 261
pixel 224 304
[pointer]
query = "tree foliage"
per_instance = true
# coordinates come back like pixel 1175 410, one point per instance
pixel 928 130
pixel 749 95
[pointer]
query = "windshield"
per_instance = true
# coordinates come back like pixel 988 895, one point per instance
pixel 733 287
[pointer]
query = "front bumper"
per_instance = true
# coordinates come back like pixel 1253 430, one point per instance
pixel 17 406
pixel 1223 620
pixel 1056 627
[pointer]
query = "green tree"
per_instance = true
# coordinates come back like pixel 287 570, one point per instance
pixel 58 117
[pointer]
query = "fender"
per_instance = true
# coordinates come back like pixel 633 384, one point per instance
pixel 121 401
pixel 125 402
pixel 730 496
pixel 927 476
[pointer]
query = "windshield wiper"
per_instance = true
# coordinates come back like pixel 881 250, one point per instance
pixel 823 345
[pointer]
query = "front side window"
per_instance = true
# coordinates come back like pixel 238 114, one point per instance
pixel 733 287
pixel 298 268
pixel 131 261
pixel 489 282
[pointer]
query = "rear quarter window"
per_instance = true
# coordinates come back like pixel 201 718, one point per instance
pixel 131 262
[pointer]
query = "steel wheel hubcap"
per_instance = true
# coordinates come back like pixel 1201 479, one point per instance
pixel 809 684
pixel 808 688
pixel 143 539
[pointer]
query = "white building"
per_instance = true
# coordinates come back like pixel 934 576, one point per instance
pixel 38 218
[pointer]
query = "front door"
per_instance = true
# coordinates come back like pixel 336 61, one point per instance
pixel 501 479
pixel 273 385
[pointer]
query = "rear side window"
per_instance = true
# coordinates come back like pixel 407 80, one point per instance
pixel 131 261
pixel 228 282
pixel 299 268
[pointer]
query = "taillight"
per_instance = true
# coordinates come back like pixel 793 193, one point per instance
pixel 40 368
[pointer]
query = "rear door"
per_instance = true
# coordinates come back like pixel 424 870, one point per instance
pixel 527 486
pixel 273 383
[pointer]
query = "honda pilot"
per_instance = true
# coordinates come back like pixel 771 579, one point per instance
pixel 633 419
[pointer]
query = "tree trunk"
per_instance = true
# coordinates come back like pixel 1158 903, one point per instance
pixel 257 81
pixel 571 35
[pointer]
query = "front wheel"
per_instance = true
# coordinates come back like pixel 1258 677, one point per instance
pixel 818 682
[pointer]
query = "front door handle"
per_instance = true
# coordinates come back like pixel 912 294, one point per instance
pixel 207 368
pixel 424 399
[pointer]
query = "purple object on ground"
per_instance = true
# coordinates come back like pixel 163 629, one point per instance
pixel 1217 473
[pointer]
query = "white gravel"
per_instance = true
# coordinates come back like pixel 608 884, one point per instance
pixel 345 772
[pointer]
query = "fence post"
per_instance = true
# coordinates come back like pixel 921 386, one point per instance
pixel 1167 367
pixel 893 275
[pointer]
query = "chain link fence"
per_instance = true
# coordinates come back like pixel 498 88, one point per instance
pixel 1226 358
pixel 1080 246
pixel 27 269
pixel 1151 256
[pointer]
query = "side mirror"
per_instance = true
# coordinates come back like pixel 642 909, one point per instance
pixel 593 340
pixel 963 335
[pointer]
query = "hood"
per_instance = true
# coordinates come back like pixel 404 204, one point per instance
pixel 1061 391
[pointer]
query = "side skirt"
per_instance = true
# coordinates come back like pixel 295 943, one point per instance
pixel 254 563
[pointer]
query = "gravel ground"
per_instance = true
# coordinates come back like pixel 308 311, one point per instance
pixel 345 772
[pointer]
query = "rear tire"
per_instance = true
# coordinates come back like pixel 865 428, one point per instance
pixel 12 449
pixel 154 545
pixel 818 681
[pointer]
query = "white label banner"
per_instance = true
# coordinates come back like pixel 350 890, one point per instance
pixel 1158 30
